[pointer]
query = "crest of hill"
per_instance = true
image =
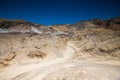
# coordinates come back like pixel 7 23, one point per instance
pixel 113 23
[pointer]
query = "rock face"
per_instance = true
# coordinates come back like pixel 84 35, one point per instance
pixel 87 50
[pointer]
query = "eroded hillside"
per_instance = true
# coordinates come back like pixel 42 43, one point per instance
pixel 87 50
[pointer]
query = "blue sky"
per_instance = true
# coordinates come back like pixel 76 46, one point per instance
pixel 49 12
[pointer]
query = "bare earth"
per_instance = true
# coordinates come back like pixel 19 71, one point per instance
pixel 64 68
pixel 86 50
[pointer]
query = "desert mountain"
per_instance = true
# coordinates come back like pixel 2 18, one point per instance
pixel 112 23
pixel 86 50
pixel 21 26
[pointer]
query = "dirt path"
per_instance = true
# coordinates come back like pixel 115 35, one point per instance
pixel 64 68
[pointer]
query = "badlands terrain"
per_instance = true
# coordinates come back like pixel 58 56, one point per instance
pixel 86 50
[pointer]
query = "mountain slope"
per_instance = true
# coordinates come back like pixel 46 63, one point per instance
pixel 87 50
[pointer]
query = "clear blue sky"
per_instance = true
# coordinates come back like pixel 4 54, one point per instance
pixel 58 11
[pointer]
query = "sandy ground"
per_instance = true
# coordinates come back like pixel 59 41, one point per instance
pixel 64 68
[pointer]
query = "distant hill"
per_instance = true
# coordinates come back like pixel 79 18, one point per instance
pixel 113 23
